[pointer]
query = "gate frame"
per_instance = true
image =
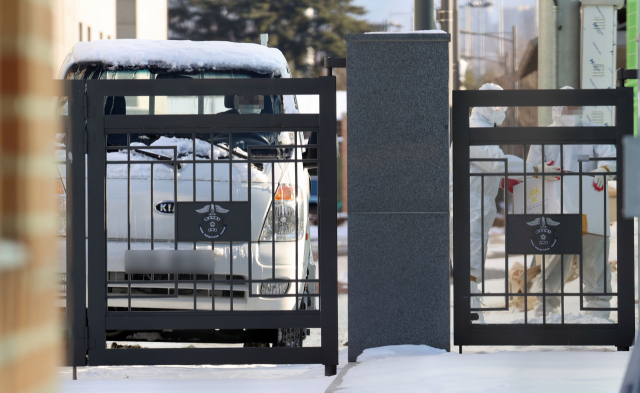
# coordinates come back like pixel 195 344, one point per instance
pixel 73 125
pixel 465 333
pixel 87 97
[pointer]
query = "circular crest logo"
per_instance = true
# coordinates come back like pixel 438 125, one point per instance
pixel 543 237
pixel 213 224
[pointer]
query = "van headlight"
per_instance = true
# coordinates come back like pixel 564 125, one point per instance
pixel 274 288
pixel 285 202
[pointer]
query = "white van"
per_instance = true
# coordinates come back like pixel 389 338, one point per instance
pixel 152 217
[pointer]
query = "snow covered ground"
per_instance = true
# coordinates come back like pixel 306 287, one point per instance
pixel 405 368
pixel 184 383
pixel 410 368
pixel 198 379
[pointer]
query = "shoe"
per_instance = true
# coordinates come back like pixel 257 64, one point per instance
pixel 476 302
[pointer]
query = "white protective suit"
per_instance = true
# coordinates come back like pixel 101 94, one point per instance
pixel 595 271
pixel 482 117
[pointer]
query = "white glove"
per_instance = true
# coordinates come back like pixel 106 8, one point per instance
pixel 599 181
pixel 548 167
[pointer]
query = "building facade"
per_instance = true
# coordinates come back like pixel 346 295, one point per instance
pixel 90 20
pixel 145 19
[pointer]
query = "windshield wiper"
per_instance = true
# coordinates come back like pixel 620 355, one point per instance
pixel 158 157
pixel 244 156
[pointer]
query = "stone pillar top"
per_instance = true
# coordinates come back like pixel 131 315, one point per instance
pixel 425 35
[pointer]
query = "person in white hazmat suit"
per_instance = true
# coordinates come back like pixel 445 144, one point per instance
pixel 595 271
pixel 479 224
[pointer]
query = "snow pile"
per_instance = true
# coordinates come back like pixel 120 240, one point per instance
pixel 398 351
pixel 530 371
pixel 183 146
pixel 178 55
pixel 409 32
pixel 240 382
pixel 568 319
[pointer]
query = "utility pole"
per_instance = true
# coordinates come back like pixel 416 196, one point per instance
pixel 467 27
pixel 455 44
pixel 514 57
pixel 448 18
pixel 444 15
pixel 423 18
pixel 500 28
pixel 446 23
pixel 547 54
pixel 514 69
pixel 482 67
pixel 558 48
pixel 569 43
pixel 480 5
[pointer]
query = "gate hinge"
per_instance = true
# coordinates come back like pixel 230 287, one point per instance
pixel 88 111
pixel 85 105
pixel 84 134
pixel 90 343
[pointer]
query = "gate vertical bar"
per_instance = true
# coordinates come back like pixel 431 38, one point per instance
pixel 461 225
pixel 97 224
pixel 76 243
pixel 626 306
pixel 327 221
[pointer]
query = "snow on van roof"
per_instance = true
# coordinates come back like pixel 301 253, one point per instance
pixel 177 55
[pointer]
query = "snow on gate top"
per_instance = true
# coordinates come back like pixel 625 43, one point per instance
pixel 176 55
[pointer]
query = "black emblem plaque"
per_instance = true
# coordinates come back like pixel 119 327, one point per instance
pixel 544 234
pixel 213 221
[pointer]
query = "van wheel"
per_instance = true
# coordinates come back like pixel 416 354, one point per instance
pixel 288 337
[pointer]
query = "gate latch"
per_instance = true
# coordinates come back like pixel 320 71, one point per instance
pixel 334 62
pixel 624 74
pixel 90 343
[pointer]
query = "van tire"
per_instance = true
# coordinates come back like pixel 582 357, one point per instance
pixel 290 337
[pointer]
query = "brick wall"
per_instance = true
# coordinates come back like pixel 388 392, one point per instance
pixel 30 335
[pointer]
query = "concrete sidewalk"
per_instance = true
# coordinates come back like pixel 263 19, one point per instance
pixel 412 369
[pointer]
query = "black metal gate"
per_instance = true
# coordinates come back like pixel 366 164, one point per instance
pixel 197 223
pixel 525 293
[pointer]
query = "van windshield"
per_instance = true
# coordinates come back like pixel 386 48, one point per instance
pixel 178 105
pixel 190 105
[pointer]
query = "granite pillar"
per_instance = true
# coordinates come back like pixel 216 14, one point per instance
pixel 398 171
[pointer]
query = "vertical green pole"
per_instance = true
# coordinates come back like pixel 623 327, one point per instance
pixel 632 55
